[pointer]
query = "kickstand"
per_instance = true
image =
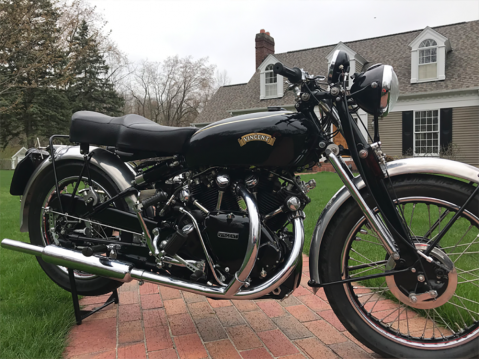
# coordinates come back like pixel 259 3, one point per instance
pixel 82 314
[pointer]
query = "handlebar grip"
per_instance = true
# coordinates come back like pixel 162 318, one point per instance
pixel 294 75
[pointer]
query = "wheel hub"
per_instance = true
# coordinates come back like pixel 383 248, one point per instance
pixel 427 290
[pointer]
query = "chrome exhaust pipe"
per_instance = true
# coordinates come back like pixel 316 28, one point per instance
pixel 125 272
pixel 98 265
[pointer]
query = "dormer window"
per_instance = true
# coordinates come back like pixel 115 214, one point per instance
pixel 271 85
pixel 271 82
pixel 428 59
pixel 428 56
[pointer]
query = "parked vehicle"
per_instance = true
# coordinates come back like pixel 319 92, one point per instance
pixel 218 211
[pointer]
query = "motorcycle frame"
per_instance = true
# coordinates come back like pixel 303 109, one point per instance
pixel 123 176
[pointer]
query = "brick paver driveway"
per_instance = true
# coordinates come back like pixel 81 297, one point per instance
pixel 157 322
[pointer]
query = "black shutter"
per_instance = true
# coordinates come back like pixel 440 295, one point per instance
pixel 445 136
pixel 407 132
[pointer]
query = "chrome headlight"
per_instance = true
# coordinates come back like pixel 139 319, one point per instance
pixel 389 90
pixel 376 91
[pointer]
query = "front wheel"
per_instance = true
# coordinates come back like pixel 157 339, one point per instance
pixel 391 315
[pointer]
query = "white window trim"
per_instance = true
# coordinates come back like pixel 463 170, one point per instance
pixel 443 47
pixel 438 135
pixel 269 60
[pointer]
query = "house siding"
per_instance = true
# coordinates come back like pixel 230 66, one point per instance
pixel 390 130
pixel 465 134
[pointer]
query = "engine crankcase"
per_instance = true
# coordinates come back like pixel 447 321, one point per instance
pixel 227 234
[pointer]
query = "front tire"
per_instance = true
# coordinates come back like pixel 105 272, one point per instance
pixel 348 249
pixel 86 284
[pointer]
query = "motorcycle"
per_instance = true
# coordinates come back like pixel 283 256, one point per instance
pixel 218 211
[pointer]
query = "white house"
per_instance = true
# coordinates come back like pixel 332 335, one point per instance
pixel 17 157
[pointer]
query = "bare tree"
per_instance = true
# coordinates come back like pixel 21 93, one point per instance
pixel 172 92
pixel 222 78
pixel 27 43
pixel 73 14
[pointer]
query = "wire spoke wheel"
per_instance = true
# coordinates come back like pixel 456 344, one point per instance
pixel 53 224
pixel 416 320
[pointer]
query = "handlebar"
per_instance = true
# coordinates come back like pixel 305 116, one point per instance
pixel 294 75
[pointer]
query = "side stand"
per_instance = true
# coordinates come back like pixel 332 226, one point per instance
pixel 82 314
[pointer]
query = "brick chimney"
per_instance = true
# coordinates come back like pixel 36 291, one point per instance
pixel 264 46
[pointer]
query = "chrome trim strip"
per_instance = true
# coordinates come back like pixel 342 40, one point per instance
pixel 395 168
pixel 121 174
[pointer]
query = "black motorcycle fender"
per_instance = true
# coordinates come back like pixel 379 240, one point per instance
pixel 25 168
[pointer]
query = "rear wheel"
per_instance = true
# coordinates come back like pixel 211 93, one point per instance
pixel 44 226
pixel 393 315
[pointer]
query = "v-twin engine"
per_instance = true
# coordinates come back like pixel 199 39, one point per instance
pixel 238 287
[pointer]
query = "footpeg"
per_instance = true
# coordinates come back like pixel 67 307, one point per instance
pixel 89 251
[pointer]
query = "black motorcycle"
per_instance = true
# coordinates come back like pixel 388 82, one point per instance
pixel 218 211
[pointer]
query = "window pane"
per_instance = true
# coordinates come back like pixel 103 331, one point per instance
pixel 426 135
pixel 271 90
pixel 428 71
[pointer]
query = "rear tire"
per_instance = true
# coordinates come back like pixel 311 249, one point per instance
pixel 336 246
pixel 93 285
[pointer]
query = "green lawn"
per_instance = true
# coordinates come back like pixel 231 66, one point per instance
pixel 35 314
pixel 327 184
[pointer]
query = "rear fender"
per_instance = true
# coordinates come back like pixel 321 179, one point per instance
pixel 395 168
pixel 120 173
pixel 25 168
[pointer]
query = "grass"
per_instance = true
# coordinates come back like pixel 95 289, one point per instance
pixel 327 184
pixel 35 314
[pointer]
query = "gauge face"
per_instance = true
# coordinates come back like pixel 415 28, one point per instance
pixel 376 90
pixel 339 65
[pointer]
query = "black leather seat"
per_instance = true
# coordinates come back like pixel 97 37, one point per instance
pixel 130 133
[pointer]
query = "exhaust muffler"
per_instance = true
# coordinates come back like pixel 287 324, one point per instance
pixel 99 265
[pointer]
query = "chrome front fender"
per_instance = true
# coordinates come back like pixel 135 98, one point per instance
pixel 120 173
pixel 395 168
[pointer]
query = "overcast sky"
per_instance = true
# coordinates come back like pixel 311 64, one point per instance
pixel 225 30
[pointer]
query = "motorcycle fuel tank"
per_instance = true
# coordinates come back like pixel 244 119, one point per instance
pixel 266 139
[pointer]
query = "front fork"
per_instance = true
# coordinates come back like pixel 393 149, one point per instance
pixel 393 233
pixel 375 222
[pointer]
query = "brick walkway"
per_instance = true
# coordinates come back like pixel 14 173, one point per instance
pixel 156 322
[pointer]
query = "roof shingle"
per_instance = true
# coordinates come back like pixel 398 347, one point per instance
pixel 462 68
